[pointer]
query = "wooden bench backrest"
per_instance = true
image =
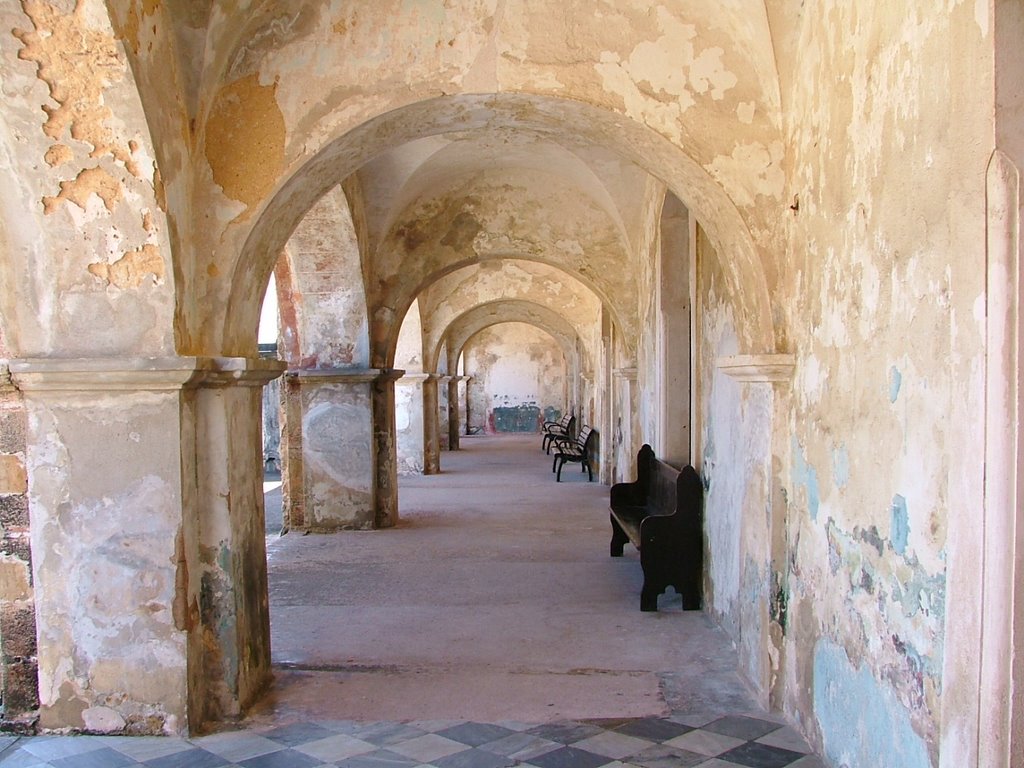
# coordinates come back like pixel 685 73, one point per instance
pixel 661 494
pixel 667 486
pixel 583 438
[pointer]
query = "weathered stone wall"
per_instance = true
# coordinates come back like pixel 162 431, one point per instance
pixel 518 377
pixel 85 242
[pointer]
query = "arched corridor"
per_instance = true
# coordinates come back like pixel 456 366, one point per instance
pixel 777 241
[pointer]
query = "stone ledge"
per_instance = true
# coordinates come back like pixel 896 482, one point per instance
pixel 758 368
pixel 101 374
pixel 343 375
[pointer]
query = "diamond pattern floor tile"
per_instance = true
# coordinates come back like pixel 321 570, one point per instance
pixel 19 758
pixel 286 758
pixel 335 748
pixel 476 734
pixel 428 748
pixel 569 757
pixel 565 733
pixel 382 758
pixel 104 757
pixel 50 748
pixel 654 729
pixel 704 742
pixel 236 746
pixel 754 755
pixel 661 756
pixel 474 758
pixel 521 746
pixel 745 728
pixel 189 758
pixel 701 741
pixel 785 738
pixel 613 745
pixel 298 733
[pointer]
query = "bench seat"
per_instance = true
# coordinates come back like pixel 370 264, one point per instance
pixel 661 514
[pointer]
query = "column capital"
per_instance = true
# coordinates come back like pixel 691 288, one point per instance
pixel 758 368
pixel 105 374
pixel 627 373
pixel 418 377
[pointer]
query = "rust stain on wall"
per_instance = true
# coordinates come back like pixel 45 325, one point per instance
pixel 131 269
pixel 246 123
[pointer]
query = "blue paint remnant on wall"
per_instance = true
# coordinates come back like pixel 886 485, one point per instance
pixel 806 475
pixel 519 418
pixel 895 382
pixel 841 466
pixel 862 723
pixel 900 525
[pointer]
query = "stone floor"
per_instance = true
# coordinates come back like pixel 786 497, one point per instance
pixel 489 629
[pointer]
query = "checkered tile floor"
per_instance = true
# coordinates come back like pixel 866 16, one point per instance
pixel 680 741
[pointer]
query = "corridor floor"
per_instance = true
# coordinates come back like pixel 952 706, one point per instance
pixel 489 629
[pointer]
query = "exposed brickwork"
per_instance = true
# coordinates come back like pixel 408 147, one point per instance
pixel 14 511
pixel 19 675
pixel 17 631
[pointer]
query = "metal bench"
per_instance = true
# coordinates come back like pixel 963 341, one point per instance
pixel 563 428
pixel 581 449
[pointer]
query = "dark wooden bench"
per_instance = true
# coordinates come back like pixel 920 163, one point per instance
pixel 581 449
pixel 662 514
pixel 563 428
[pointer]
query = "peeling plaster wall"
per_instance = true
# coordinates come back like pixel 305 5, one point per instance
pixel 885 301
pixel 109 632
pixel 723 109
pixel 327 315
pixel 517 370
pixel 736 464
pixel 330 469
pixel 723 452
pixel 85 239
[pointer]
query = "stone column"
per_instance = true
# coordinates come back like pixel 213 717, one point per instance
pixel 454 414
pixel 145 494
pixel 410 423
pixel 386 468
pixel 431 442
pixel 626 427
pixel 443 414
pixel 229 645
pixel 338 447
pixel 764 548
